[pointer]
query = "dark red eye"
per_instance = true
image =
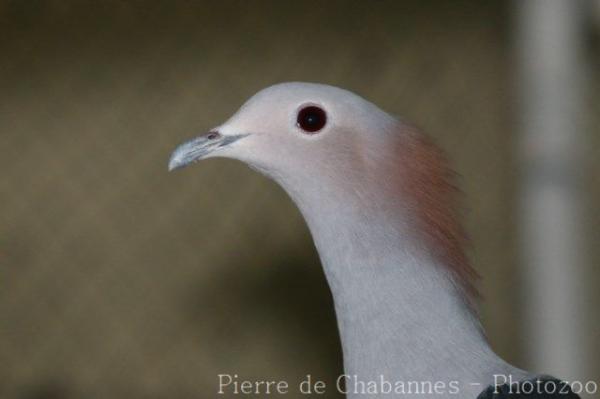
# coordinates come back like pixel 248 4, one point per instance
pixel 311 119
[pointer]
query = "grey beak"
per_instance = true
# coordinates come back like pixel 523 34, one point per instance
pixel 197 148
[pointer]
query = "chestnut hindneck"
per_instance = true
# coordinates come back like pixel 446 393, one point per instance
pixel 392 253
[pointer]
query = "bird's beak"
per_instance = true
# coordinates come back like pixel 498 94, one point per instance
pixel 198 148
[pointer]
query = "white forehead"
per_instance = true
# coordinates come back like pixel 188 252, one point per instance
pixel 277 105
pixel 299 91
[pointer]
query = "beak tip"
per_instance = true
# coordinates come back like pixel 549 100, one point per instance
pixel 175 163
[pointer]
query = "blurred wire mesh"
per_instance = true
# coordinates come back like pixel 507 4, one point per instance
pixel 120 280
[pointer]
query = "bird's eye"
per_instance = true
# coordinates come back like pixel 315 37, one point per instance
pixel 311 119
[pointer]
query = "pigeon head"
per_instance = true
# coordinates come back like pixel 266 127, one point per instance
pixel 294 130
pixel 334 151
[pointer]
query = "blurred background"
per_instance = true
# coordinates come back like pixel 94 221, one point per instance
pixel 120 280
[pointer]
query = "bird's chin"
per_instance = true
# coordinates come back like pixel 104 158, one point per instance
pixel 263 170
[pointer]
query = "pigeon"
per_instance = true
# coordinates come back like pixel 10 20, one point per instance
pixel 380 201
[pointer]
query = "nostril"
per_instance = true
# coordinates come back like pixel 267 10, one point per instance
pixel 212 135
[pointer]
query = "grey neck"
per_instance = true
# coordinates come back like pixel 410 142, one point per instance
pixel 400 316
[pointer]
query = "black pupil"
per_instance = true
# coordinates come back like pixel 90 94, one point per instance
pixel 311 119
